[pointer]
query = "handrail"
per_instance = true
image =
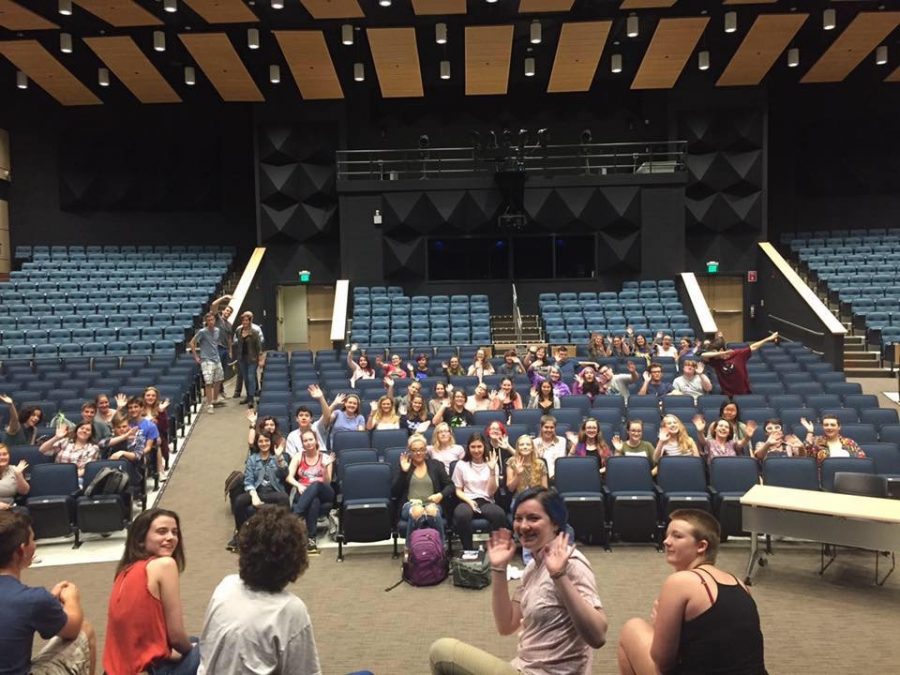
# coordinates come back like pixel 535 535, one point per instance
pixel 517 314
pixel 339 310
pixel 797 326
pixel 698 302
pixel 243 284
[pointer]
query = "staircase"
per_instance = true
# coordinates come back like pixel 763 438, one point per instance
pixel 503 331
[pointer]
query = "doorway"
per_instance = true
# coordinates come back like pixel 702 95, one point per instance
pixel 304 316
pixel 725 297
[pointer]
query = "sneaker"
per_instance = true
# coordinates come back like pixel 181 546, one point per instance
pixel 311 547
pixel 219 403
pixel 210 409
pixel 232 544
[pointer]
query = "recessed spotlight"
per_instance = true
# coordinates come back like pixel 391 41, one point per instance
pixel 359 72
pixel 103 77
pixel 730 22
pixel 65 43
pixel 384 3
pixel 445 70
pixel 347 34
pixel 793 57
pixel 274 73
pixel 253 38
pixel 632 26
pixel 170 6
pixel 159 41
pixel 703 60
pixel 881 55
pixel 190 76
pixel 529 66
pixel 65 7
pixel 829 19
pixel 277 4
pixel 535 32
pixel 21 80
pixel 616 63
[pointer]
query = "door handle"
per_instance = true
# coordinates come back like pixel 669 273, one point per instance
pixel 728 311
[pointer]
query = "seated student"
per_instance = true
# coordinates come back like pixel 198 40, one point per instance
pixel 304 419
pixel 566 366
pixel 27 610
pixel 453 368
pixel 555 610
pixel 722 442
pixel 589 442
pixel 401 403
pixel 384 416
pixel 549 446
pixel 597 347
pixel 454 411
pixel 444 447
pixel 264 474
pixel 619 347
pixel 507 398
pixel 537 360
pixel 251 618
pixel 145 626
pixel 692 381
pixel 777 443
pixel 348 417
pixel 512 364
pixel 587 383
pixel 616 385
pixel 394 369
pixel 23 425
pixel 440 393
pixel 674 440
pixel 75 447
pixel 525 469
pixel 830 443
pixel 416 419
pixel 155 411
pixel 543 398
pixel 475 478
pixel 89 414
pixel 128 443
pixel 653 382
pixel 666 348
pixel 634 443
pixel 553 375
pixel 421 370
pixel 310 473
pixel 704 620
pixel 687 349
pixel 267 425
pixel 731 364
pixel 421 486
pixel 12 481
pixel 640 347
pixel 480 366
pixel 480 399
pixel 730 411
pixel 360 370
pixel 134 408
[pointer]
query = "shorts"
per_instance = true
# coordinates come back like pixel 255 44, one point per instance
pixel 212 371
pixel 63 657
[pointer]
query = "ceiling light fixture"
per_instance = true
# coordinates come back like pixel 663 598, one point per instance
pixel 65 7
pixel 21 80
pixel 529 66
pixel 491 2
pixel 829 19
pixel 190 76
pixel 170 5
pixel 359 72
pixel 159 41
pixel 277 4
pixel 253 38
pixel 881 55
pixel 445 70
pixel 384 3
pixel 730 22
pixel 632 26
pixel 440 33
pixel 347 34
pixel 65 43
pixel 535 32
pixel 274 73
pixel 103 77
pixel 616 63
pixel 793 58
pixel 703 60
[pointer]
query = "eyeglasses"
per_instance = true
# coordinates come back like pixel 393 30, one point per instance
pixel 418 451
pixel 773 427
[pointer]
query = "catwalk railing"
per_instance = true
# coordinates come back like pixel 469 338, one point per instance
pixel 584 159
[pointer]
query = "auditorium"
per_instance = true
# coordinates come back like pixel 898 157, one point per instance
pixel 555 329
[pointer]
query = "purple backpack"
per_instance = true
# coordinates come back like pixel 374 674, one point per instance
pixel 426 563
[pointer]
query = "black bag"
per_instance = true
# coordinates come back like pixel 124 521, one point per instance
pixel 234 485
pixel 473 573
pixel 108 481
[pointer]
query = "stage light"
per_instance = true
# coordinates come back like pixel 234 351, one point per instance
pixel 170 5
pixel 190 76
pixel 543 137
pixel 829 19
pixel 492 135
pixel 793 57
pixel 440 33
pixel 277 4
pixel 347 34
pixel 274 73
pixel 535 36
pixel 616 63
pixel 881 55
pixel 523 138
pixel 253 38
pixel 730 22
pixel 103 77
pixel 21 80
pixel 586 136
pixel 65 43
pixel 159 41
pixel 703 60
pixel 445 70
pixel 424 142
pixel 632 26
pixel 359 72
pixel 529 66
pixel 506 134
pixel 65 7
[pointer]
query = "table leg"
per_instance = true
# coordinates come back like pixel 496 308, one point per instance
pixel 754 556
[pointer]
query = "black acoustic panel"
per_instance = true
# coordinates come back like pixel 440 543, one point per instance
pixel 735 131
pixel 408 212
pixel 280 145
pixel 404 260
pixel 736 172
pixel 476 209
pixel 549 210
pixel 612 207
pixel 451 211
pixel 619 251
pixel 297 221
pixel 720 212
pixel 296 182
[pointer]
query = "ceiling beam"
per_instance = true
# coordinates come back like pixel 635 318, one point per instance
pixel 129 64
pixel 334 9
pixel 396 58
pixel 120 13
pixel 223 11
pixel 646 4
pixel 310 62
pixel 44 70
pixel 540 6
pixel 15 17
pixel 860 37
pixel 672 44
pixel 766 40
pixel 430 7
pixel 218 59
pixel 577 55
pixel 488 55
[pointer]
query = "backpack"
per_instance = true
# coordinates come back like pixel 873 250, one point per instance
pixel 234 485
pixel 425 563
pixel 471 572
pixel 108 481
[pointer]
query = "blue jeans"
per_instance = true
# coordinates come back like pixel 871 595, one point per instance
pixel 308 505
pixel 187 666
pixel 248 369
pixel 425 521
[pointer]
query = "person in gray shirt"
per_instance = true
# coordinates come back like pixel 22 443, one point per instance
pixel 207 340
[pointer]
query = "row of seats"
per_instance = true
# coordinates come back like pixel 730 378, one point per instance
pixel 70 349
pixel 55 330
pixel 29 252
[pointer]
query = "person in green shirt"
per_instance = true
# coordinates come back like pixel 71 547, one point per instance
pixel 634 443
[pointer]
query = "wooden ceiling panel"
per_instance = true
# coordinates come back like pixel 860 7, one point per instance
pixel 860 37
pixel 119 13
pixel 15 17
pixel 577 55
pixel 749 2
pixel 488 54
pixel 216 56
pixel 647 4
pixel 672 44
pixel 767 38
pixel 310 62
pixel 538 6
pixel 428 7
pixel 223 11
pixel 894 77
pixel 44 70
pixel 396 60
pixel 334 9
pixel 128 63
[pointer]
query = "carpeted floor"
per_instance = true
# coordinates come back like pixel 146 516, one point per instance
pixel 833 624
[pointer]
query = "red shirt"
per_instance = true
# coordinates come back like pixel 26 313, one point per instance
pixel 732 372
pixel 136 634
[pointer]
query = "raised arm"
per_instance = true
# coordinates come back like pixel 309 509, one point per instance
pixel 757 345
pixel 589 621
pixel 507 614
pixel 13 427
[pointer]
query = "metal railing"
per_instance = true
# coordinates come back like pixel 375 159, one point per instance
pixel 586 159
pixel 517 314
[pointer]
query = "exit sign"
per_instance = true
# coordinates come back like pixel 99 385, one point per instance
pixel 751 276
